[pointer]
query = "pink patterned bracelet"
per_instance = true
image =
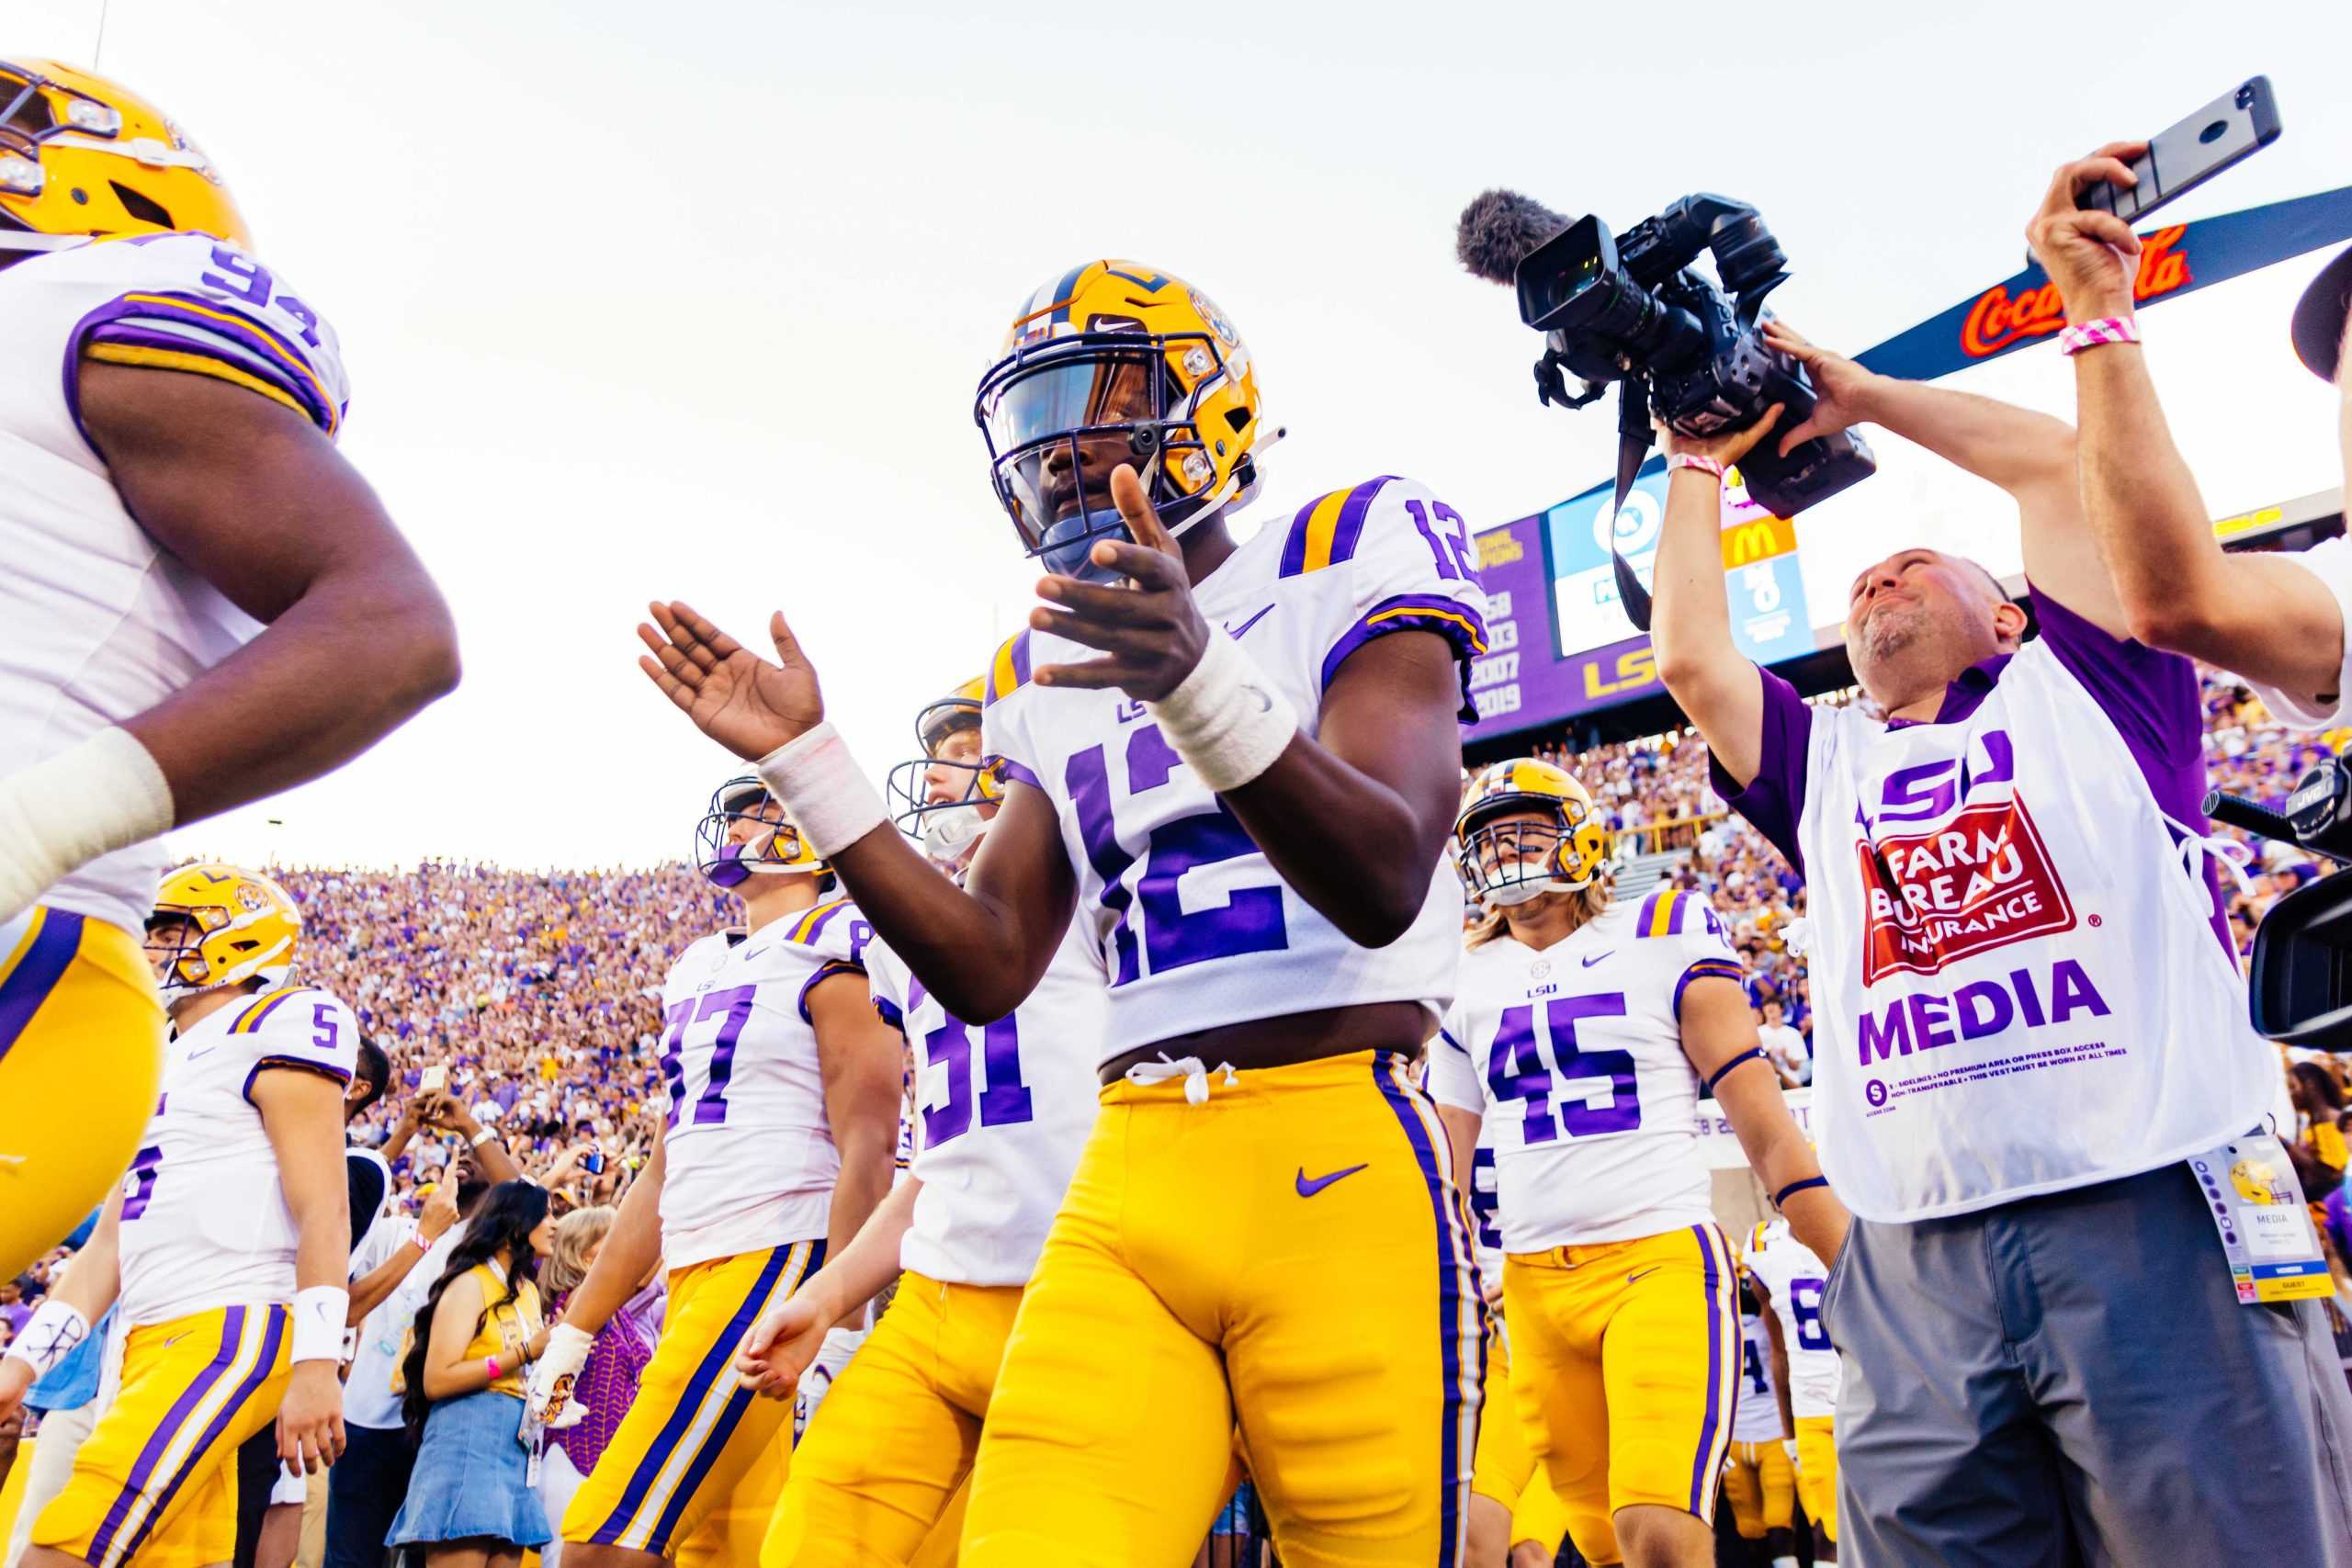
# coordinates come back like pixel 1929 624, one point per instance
pixel 2097 334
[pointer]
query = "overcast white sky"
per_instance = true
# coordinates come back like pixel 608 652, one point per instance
pixel 691 300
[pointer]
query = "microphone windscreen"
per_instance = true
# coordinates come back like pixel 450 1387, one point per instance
pixel 1497 228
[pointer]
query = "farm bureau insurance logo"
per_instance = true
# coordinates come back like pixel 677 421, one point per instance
pixel 1981 881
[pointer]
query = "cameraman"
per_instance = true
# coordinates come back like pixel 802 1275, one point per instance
pixel 2027 1019
pixel 2275 619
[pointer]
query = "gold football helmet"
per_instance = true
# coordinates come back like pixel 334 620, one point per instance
pixel 1504 862
pixel 220 925
pixel 81 156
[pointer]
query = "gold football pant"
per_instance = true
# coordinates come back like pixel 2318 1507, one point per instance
pixel 875 1472
pixel 695 1443
pixel 156 1482
pixel 81 1056
pixel 1762 1487
pixel 1628 1365
pixel 1290 1254
pixel 1817 1472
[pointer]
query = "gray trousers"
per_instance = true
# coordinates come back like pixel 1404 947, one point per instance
pixel 2069 1380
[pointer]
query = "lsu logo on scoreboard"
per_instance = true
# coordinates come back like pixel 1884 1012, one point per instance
pixel 1981 880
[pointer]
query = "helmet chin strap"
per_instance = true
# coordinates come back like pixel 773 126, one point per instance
pixel 1511 894
pixel 947 834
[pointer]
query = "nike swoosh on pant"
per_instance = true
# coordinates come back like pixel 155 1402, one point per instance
pixel 1308 1187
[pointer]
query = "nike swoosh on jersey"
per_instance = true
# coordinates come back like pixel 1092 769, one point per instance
pixel 1588 963
pixel 1308 1187
pixel 1235 632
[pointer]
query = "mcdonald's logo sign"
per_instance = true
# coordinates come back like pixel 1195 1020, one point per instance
pixel 1759 538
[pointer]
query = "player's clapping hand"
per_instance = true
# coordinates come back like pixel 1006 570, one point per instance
pixel 783 1343
pixel 1149 626
pixel 738 699
pixel 309 1420
pixel 2091 255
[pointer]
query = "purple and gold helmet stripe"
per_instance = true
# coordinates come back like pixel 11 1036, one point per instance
pixel 32 971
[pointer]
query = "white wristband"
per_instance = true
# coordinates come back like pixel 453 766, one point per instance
pixel 834 804
pixel 63 812
pixel 319 1312
pixel 49 1335
pixel 1226 719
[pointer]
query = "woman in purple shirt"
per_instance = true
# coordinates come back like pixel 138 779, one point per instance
pixel 608 1380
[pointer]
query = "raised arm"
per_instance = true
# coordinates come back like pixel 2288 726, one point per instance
pixel 2030 456
pixel 2260 615
pixel 371 1290
pixel 980 948
pixel 1718 689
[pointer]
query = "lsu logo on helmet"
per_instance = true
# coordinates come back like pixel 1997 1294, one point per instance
pixel 84 157
pixel 1118 362
pixel 220 925
pixel 1527 829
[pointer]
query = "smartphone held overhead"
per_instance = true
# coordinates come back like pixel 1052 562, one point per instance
pixel 2233 127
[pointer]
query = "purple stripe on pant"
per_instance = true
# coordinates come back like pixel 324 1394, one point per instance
pixel 232 1330
pixel 1702 1473
pixel 267 1363
pixel 1453 1463
pixel 37 974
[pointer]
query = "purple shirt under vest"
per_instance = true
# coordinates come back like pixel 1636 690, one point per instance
pixel 2151 699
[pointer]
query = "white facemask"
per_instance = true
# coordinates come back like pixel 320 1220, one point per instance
pixel 948 833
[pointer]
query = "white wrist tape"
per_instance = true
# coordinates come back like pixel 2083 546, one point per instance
pixel 48 1337
pixel 319 1312
pixel 1227 719
pixel 65 811
pixel 832 802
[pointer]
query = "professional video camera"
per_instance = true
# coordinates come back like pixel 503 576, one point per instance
pixel 2301 990
pixel 1633 311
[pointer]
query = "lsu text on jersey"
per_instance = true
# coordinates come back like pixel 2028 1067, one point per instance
pixel 1617 1284
pixel 750 1167
pixel 208 1276
pixel 1282 1247
pixel 1795 1278
pixel 999 1116
pixel 102 624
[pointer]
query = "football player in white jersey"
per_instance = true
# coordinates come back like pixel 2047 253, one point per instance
pixel 784 1107
pixel 1759 1478
pixel 203 604
pixel 1001 1112
pixel 1246 800
pixel 226 1244
pixel 1580 1035
pixel 1789 1279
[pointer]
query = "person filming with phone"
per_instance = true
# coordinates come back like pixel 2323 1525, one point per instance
pixel 2029 1025
pixel 2275 619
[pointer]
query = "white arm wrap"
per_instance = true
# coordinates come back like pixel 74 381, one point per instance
pixel 65 811
pixel 50 1336
pixel 819 781
pixel 319 1312
pixel 1227 719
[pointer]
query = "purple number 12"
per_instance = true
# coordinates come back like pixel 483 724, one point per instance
pixel 1515 1069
